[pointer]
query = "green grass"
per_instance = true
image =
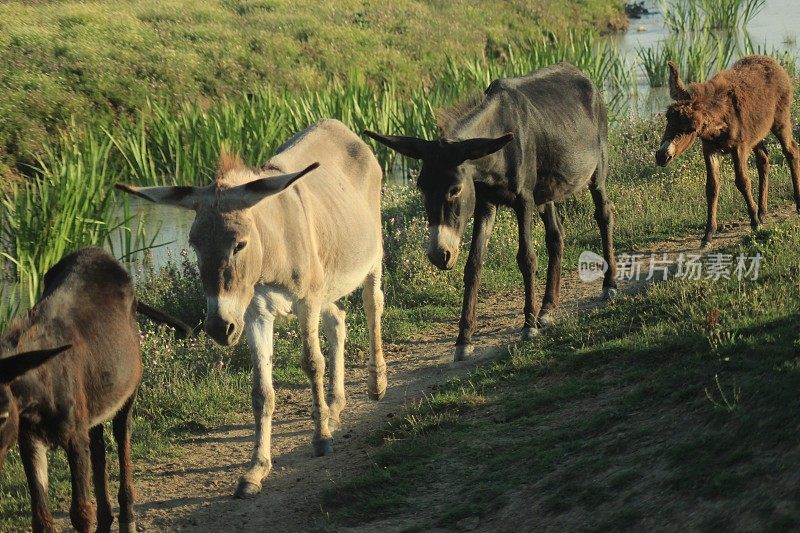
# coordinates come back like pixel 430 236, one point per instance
pixel 103 59
pixel 673 408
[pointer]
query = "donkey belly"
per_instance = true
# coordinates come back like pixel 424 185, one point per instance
pixel 111 392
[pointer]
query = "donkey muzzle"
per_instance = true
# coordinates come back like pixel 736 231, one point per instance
pixel 665 153
pixel 443 246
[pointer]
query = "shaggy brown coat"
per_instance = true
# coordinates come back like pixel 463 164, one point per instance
pixel 89 309
pixel 732 113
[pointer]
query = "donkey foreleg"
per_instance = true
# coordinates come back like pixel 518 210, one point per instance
pixel 34 459
pixel 259 331
pixel 313 365
pixel 712 193
pixel 373 307
pixel 485 214
pixel 81 512
pixel 333 327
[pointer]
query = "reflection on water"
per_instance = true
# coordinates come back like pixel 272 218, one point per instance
pixel 775 27
pixel 166 226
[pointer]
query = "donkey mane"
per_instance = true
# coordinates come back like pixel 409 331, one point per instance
pixel 450 119
pixel 232 170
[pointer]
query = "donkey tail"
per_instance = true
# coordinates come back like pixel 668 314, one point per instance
pixel 160 316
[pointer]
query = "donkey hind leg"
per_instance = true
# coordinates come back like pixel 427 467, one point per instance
pixel 313 365
pixel 527 263
pixel 373 307
pixel 333 327
pixel 122 436
pixel 259 330
pixel 739 157
pixel 34 459
pixel 783 131
pixel 100 476
pixel 762 164
pixel 554 239
pixel 604 216
pixel 81 512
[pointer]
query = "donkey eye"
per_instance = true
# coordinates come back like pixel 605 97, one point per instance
pixel 4 416
pixel 239 246
pixel 454 191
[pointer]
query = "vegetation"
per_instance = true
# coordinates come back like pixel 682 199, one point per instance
pixel 688 391
pixel 101 60
pixel 163 146
pixel 683 16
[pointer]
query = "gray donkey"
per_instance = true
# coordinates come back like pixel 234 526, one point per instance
pixel 529 142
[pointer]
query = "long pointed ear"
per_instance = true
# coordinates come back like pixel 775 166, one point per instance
pixel 677 90
pixel 249 194
pixel 179 196
pixel 16 365
pixel 408 146
pixel 481 147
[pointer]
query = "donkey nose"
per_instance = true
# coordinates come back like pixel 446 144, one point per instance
pixel 221 330
pixel 440 258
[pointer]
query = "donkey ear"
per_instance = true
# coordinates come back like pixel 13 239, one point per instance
pixel 186 197
pixel 408 146
pixel 16 365
pixel 676 88
pixel 477 148
pixel 249 194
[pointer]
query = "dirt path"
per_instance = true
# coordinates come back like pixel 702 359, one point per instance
pixel 193 493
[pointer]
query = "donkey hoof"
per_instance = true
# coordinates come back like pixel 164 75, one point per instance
pixel 705 244
pixel 609 293
pixel 127 527
pixel 546 320
pixel 247 490
pixel 376 384
pixel 462 351
pixel 528 334
pixel 323 447
pixel 377 394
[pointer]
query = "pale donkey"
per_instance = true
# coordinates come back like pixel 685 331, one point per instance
pixel 268 247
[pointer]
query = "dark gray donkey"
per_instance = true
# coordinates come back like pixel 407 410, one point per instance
pixel 88 308
pixel 529 142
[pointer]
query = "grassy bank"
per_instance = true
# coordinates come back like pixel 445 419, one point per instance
pixel 676 408
pixel 101 59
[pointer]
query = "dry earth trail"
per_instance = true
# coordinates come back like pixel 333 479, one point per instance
pixel 193 492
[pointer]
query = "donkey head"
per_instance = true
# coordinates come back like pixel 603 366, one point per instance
pixel 684 121
pixel 10 369
pixel 225 238
pixel 447 187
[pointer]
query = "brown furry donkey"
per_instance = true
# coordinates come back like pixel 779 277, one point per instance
pixel 732 113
